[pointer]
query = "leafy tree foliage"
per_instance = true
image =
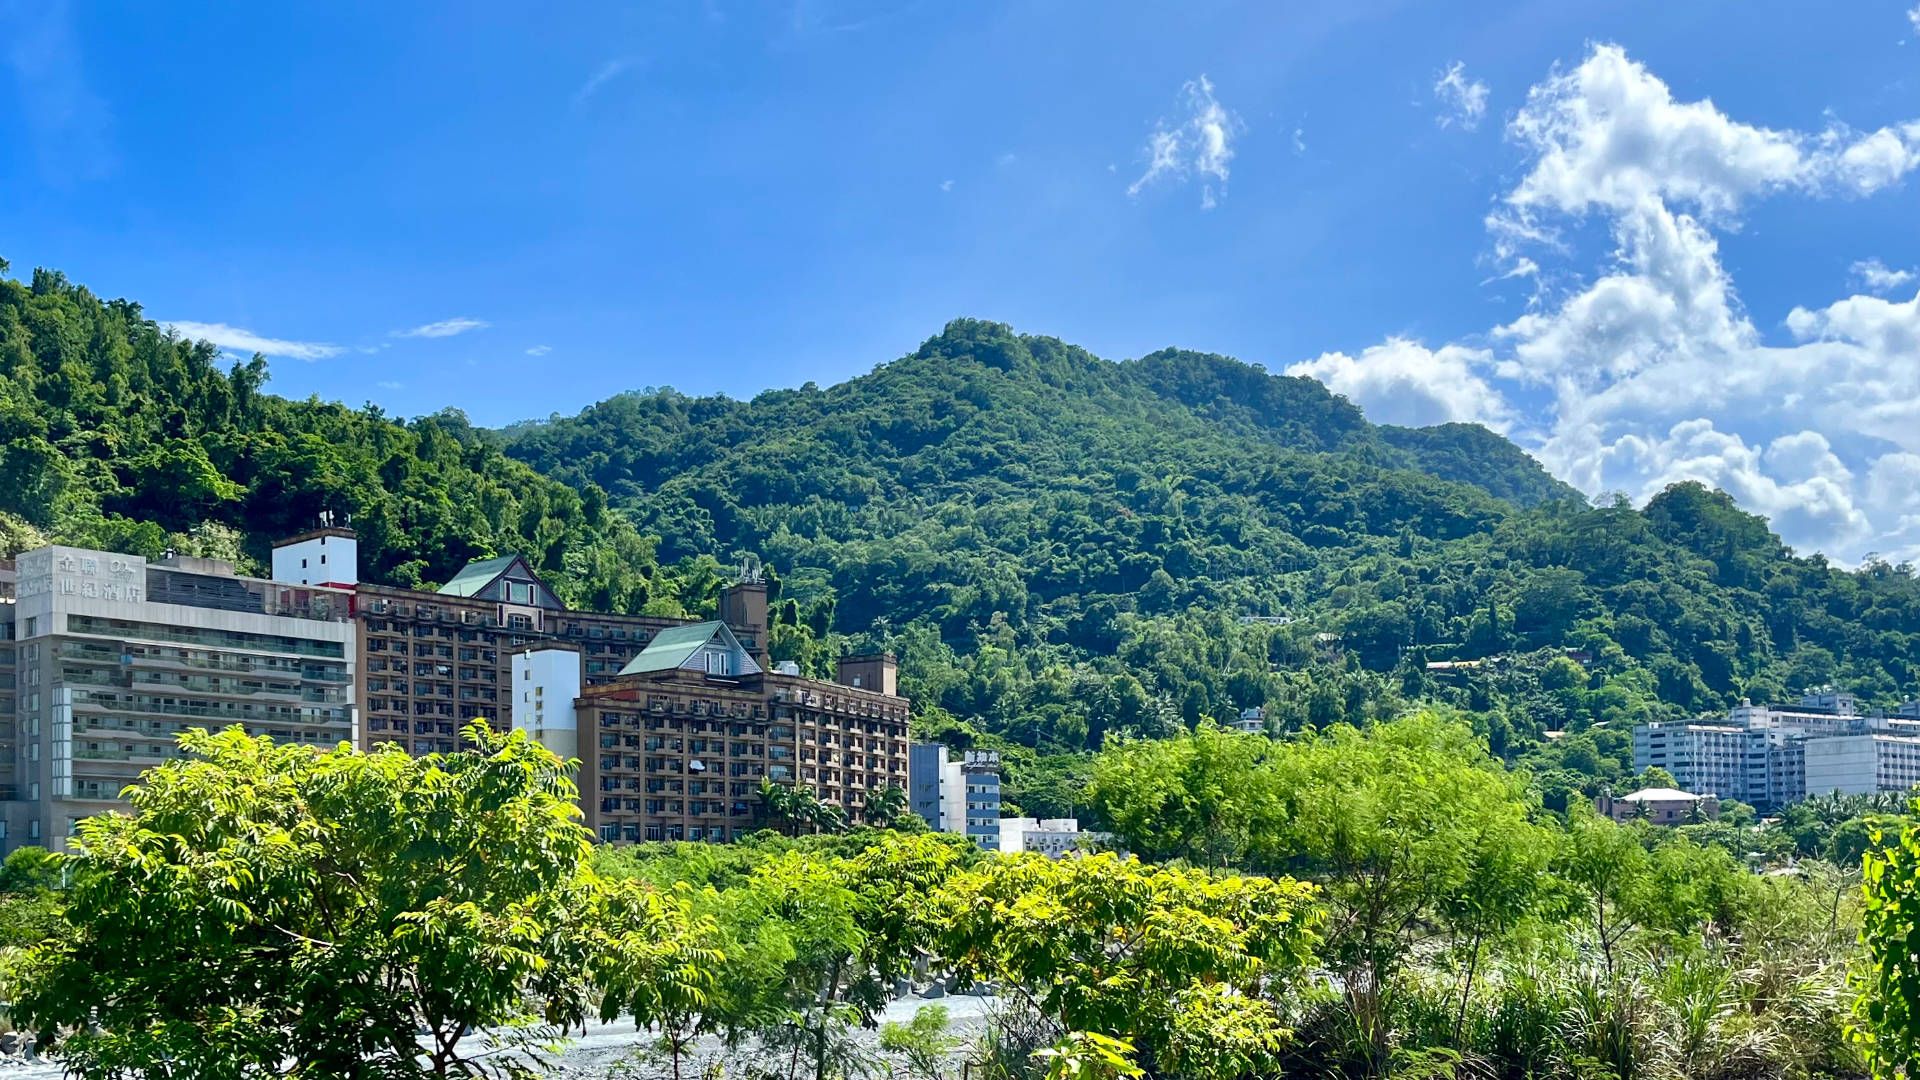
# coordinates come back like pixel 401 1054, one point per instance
pixel 353 914
pixel 1180 966
pixel 1889 979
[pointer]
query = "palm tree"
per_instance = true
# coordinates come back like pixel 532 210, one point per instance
pixel 779 804
pixel 886 807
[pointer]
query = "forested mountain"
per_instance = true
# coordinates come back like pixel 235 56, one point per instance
pixel 116 435
pixel 1059 546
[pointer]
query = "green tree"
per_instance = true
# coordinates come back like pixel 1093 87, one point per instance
pixel 1888 979
pixel 341 914
pixel 924 1042
pixel 1202 796
pixel 887 809
pixel 655 959
pixel 29 868
pixel 1408 824
pixel 1607 863
pixel 1183 967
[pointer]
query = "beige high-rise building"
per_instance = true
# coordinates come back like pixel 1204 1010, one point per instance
pixel 106 658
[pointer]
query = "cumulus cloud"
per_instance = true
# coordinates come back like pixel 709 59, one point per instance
pixel 1647 368
pixel 1404 382
pixel 1878 277
pixel 247 342
pixel 1609 134
pixel 1463 101
pixel 1198 145
pixel 1796 480
pixel 443 328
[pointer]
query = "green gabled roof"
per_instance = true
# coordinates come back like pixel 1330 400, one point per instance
pixel 477 575
pixel 671 648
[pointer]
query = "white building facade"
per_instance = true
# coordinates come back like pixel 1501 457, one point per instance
pixel 1773 756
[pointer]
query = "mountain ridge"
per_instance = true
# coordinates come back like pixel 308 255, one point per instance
pixel 1060 547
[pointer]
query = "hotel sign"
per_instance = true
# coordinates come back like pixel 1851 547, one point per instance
pixel 94 575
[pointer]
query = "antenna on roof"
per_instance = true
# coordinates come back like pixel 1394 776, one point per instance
pixel 750 569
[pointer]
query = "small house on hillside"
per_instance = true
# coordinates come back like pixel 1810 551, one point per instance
pixel 1662 806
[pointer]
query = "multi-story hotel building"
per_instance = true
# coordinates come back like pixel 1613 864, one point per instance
pixel 675 723
pixel 676 746
pixel 106 658
pixel 432 660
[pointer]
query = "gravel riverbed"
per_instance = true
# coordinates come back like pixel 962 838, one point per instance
pixel 617 1050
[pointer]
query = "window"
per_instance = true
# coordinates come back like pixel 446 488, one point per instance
pixel 719 662
pixel 303 564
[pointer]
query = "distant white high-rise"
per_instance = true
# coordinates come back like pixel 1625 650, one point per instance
pixel 1772 756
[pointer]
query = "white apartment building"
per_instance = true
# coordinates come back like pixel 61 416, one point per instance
pixel 1771 756
pixel 1052 837
pixel 1862 764
pixel 956 794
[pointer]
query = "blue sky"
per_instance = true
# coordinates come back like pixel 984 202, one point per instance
pixel 1650 241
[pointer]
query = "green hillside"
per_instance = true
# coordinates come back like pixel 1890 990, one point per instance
pixel 1059 546
pixel 117 435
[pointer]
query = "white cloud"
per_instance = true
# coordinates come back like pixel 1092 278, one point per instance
pixel 443 328
pixel 1877 276
pixel 1463 101
pixel 1199 145
pixel 247 342
pixel 946 185
pixel 539 350
pixel 1299 140
pixel 1796 480
pixel 388 384
pixel 1648 368
pixel 1404 382
pixel 1609 134
pixel 1913 18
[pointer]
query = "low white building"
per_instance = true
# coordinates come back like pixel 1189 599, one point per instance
pixel 1052 837
pixel 1662 806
